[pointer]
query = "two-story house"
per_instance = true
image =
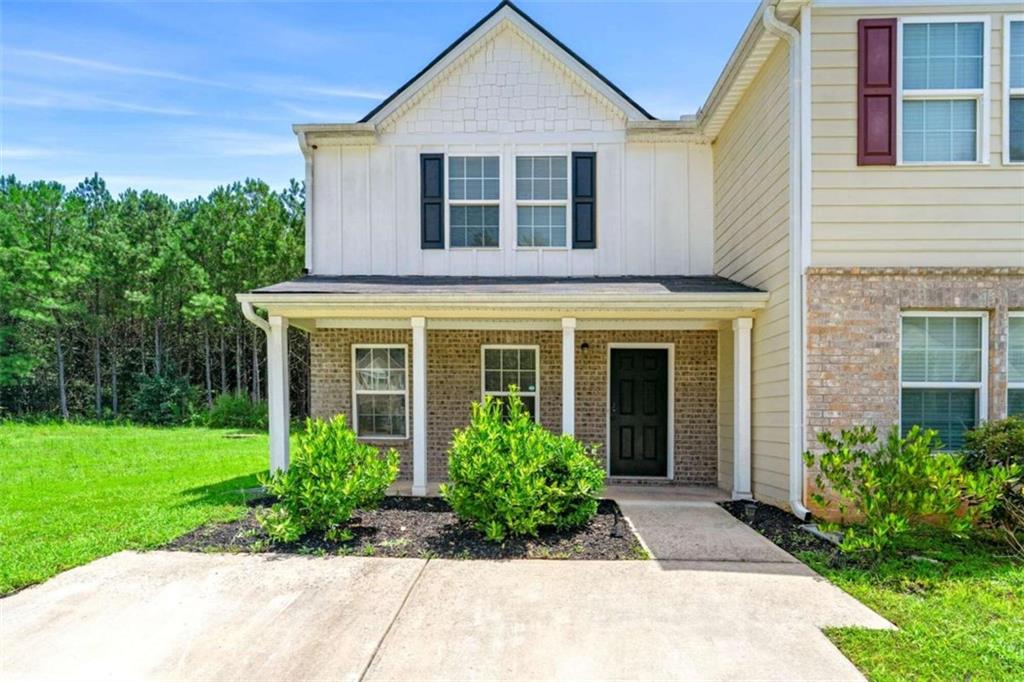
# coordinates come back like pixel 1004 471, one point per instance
pixel 835 238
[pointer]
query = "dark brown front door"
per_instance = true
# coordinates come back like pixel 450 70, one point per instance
pixel 639 412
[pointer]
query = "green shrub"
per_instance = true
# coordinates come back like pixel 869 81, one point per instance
pixel 897 486
pixel 1001 444
pixel 232 411
pixel 331 474
pixel 164 400
pixel 509 476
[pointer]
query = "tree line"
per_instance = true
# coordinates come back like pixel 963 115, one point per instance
pixel 124 306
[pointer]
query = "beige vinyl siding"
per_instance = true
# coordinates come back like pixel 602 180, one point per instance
pixel 751 157
pixel 886 216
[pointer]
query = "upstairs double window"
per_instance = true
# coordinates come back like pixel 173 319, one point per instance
pixel 943 90
pixel 553 201
pixel 1013 89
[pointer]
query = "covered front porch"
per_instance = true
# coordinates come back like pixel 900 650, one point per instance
pixel 655 371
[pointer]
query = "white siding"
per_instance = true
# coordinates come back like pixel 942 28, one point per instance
pixel 510 98
pixel 898 215
pixel 751 206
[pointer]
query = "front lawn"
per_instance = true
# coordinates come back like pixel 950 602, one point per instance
pixel 960 618
pixel 72 493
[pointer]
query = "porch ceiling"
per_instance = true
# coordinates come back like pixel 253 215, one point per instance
pixel 667 297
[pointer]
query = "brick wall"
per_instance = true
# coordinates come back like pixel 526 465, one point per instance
pixel 453 382
pixel 853 336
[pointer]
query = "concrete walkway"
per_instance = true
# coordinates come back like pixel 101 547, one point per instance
pixel 175 616
pixel 681 524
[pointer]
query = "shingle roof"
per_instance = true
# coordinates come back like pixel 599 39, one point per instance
pixel 389 285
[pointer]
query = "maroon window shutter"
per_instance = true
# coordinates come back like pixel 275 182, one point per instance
pixel 876 92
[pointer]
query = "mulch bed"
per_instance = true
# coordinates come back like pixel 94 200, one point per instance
pixel 779 526
pixel 425 528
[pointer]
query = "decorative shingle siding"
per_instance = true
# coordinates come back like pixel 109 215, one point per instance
pixel 453 383
pixel 853 336
pixel 506 85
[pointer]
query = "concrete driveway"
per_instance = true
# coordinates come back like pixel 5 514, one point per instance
pixel 172 616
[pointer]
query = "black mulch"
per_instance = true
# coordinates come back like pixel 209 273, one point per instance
pixel 779 526
pixel 425 528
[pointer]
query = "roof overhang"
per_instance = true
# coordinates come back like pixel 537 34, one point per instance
pixel 746 61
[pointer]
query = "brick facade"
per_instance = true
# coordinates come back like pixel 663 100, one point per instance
pixel 853 336
pixel 454 382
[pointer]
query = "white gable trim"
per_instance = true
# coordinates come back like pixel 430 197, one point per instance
pixel 468 45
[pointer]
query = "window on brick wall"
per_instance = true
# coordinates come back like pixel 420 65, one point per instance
pixel 1015 365
pixel 542 200
pixel 943 90
pixel 474 194
pixel 506 366
pixel 942 367
pixel 380 391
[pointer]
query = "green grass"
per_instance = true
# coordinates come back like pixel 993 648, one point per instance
pixel 961 618
pixel 72 493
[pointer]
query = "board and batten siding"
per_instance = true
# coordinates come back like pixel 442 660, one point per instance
pixel 751 196
pixel 654 211
pixel 897 216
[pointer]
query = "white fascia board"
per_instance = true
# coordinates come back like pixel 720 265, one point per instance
pixel 335 133
pixel 506 14
pixel 897 4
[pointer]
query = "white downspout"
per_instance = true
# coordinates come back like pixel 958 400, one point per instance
pixel 307 154
pixel 250 314
pixel 796 259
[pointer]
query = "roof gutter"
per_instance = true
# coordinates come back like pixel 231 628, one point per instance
pixel 250 314
pixel 796 255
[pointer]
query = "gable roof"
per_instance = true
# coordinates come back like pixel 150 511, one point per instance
pixel 508 10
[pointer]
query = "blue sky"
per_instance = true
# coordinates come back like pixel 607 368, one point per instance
pixel 181 97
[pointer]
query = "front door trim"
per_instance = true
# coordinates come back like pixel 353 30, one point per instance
pixel 671 348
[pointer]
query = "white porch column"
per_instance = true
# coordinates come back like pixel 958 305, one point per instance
pixel 741 408
pixel 569 376
pixel 277 391
pixel 419 406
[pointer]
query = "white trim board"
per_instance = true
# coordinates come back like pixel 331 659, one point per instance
pixel 670 454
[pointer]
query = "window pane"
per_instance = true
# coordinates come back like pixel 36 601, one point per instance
pixel 943 55
pixel 1017 127
pixel 474 225
pixel 540 225
pixel 541 178
pixel 940 130
pixel 474 178
pixel 948 411
pixel 941 349
pixel 1015 407
pixel 1017 54
pixel 1015 352
pixel 381 415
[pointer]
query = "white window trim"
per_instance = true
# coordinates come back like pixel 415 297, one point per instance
pixel 1011 385
pixel 567 203
pixel 981 96
pixel 1008 92
pixel 536 365
pixel 356 392
pixel 671 464
pixel 449 202
pixel 980 386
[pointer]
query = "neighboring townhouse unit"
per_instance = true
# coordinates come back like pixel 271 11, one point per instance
pixel 835 238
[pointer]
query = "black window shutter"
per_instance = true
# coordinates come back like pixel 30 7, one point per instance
pixel 432 201
pixel 584 200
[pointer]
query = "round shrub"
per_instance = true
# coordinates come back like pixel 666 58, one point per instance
pixel 232 411
pixel 163 400
pixel 331 474
pixel 507 475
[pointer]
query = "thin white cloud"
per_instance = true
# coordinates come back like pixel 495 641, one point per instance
pixel 234 143
pixel 26 153
pixel 351 93
pixel 108 67
pixel 262 85
pixel 313 114
pixel 76 102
